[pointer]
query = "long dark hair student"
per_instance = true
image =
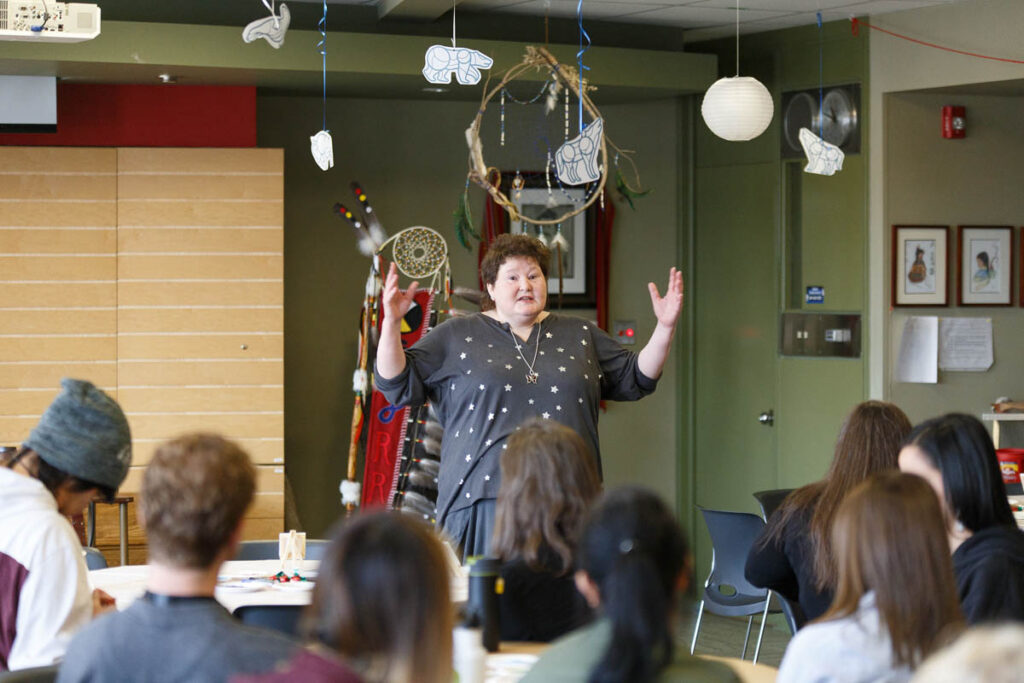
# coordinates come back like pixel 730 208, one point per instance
pixel 955 455
pixel 889 539
pixel 795 550
pixel 959 447
pixel 382 600
pixel 635 553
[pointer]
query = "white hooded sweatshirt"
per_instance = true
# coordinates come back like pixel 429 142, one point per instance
pixel 44 591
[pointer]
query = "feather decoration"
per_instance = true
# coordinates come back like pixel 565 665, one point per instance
pixel 626 193
pixel 365 242
pixel 473 296
pixel 376 231
pixel 559 240
pixel 541 237
pixel 417 503
pixel 463 221
pixel 421 479
pixel 552 99
pixel 432 467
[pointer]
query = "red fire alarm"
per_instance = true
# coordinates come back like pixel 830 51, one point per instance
pixel 954 122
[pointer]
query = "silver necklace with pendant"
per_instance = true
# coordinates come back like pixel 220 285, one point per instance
pixel 532 375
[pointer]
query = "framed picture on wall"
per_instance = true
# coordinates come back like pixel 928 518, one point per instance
pixel 985 265
pixel 577 268
pixel 920 265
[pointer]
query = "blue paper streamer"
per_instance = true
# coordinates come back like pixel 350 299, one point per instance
pixel 821 99
pixel 579 56
pixel 322 48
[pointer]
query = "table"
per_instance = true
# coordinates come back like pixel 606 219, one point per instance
pixel 128 582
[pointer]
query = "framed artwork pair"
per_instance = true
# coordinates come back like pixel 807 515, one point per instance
pixel 922 260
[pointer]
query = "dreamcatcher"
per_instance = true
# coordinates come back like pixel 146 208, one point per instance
pixel 402 445
pixel 579 161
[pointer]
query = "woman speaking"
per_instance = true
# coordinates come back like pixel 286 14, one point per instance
pixel 487 373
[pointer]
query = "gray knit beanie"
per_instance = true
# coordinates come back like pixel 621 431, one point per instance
pixel 84 433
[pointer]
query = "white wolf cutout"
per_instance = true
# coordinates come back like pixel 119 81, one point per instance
pixel 440 62
pixel 576 160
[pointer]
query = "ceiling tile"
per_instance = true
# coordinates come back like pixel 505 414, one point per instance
pixel 601 10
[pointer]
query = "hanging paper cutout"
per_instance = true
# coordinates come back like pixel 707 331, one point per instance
pixel 441 61
pixel 823 158
pixel 322 147
pixel 576 160
pixel 271 28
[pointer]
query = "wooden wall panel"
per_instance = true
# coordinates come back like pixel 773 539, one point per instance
pixel 200 304
pixel 58 289
pixel 158 275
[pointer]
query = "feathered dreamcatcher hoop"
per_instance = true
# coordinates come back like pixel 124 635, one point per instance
pixel 581 161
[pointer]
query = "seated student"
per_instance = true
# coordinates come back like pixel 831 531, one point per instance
pixel 194 493
pixel 634 567
pixel 895 598
pixel 954 454
pixel 548 481
pixel 793 555
pixel 80 449
pixel 381 608
pixel 983 654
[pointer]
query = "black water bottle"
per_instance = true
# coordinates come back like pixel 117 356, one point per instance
pixel 483 600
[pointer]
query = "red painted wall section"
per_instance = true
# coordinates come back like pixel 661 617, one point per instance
pixel 149 116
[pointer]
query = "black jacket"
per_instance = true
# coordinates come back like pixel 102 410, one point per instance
pixel 786 565
pixel 989 569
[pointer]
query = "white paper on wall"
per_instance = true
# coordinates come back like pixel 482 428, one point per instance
pixel 965 344
pixel 919 350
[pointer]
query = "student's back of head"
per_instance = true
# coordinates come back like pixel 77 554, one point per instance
pixel 634 552
pixel 195 492
pixel 869 441
pixel 889 539
pixel 382 600
pixel 548 481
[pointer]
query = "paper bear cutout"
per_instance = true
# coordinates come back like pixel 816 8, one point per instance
pixel 823 158
pixel 322 147
pixel 576 160
pixel 271 28
pixel 440 62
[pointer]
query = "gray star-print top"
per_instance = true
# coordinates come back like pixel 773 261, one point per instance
pixel 470 370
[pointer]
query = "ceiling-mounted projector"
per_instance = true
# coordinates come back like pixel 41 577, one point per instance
pixel 48 22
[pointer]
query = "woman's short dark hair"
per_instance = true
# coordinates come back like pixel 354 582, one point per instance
pixel 382 600
pixel 634 550
pixel 509 246
pixel 960 447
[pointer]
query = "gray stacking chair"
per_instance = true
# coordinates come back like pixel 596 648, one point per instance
pixel 726 590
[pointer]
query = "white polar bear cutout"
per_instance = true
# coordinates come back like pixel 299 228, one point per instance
pixel 441 61
pixel 823 158
pixel 576 160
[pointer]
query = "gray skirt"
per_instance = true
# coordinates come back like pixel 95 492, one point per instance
pixel 470 528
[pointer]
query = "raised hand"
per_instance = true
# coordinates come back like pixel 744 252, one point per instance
pixel 396 304
pixel 667 308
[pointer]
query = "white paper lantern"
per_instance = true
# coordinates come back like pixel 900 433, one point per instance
pixel 737 108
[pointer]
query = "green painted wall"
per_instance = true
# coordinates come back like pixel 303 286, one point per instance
pixel 765 231
pixel 411 158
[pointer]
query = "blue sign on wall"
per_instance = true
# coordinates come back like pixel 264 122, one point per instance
pixel 815 295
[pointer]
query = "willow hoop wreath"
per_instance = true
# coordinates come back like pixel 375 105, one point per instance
pixel 536 59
